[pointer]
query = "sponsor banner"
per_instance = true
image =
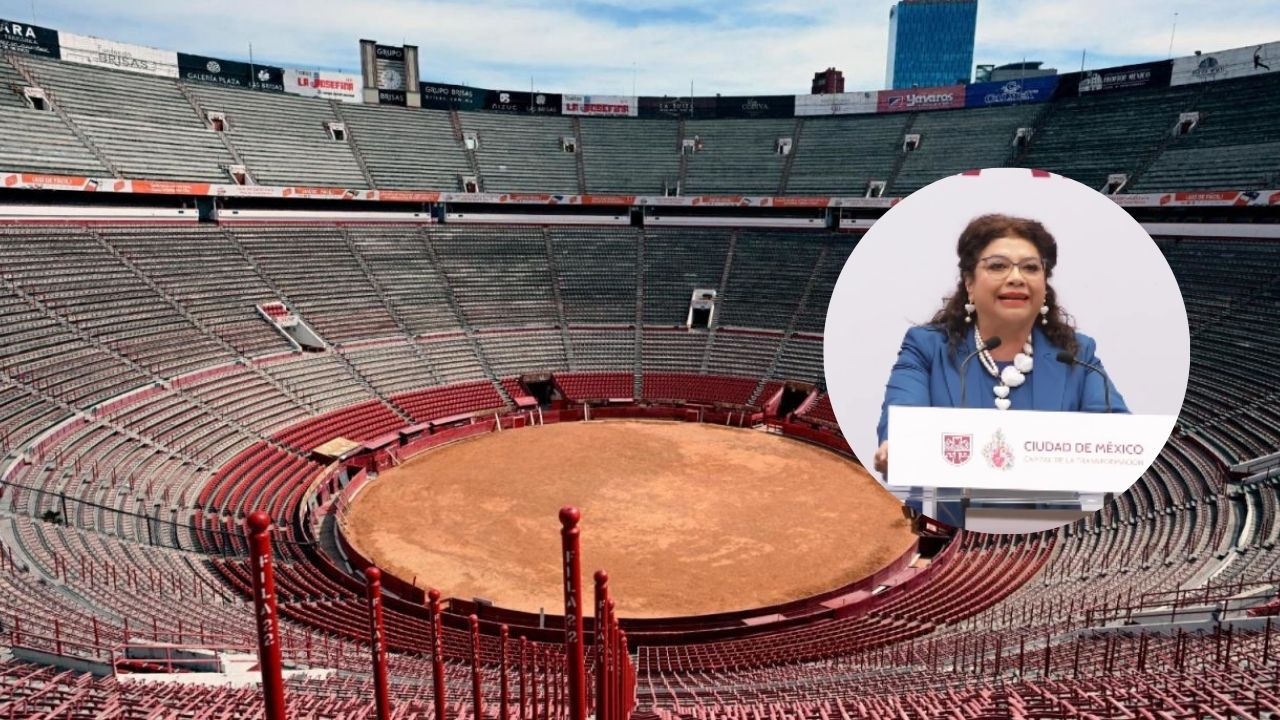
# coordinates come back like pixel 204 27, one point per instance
pixel 608 199
pixel 762 106
pixel 407 196
pixel 392 97
pixel 322 84
pixel 1226 64
pixel 99 52
pixel 18 37
pixel 388 64
pixel 945 97
pixel 677 107
pixel 39 181
pixel 705 108
pixel 801 202
pixel 332 193
pixel 852 103
pixel 1012 92
pixel 443 96
pixel 522 102
pixel 165 187
pixel 1125 77
pixel 394 53
pixel 600 105
pixel 232 73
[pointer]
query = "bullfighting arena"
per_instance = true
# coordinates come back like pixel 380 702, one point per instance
pixel 687 518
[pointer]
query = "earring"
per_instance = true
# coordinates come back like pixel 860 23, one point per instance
pixel 969 307
pixel 1044 314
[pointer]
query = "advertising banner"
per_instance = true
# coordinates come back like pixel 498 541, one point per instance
pixel 41 181
pixel 1012 92
pixel 677 107
pixel 392 97
pixel 1125 77
pixel 389 67
pixel 763 106
pixel 601 105
pixel 520 102
pixel 17 37
pixel 1236 63
pixel 853 103
pixel 231 73
pixel 442 96
pixel 945 97
pixel 322 84
pixel 99 52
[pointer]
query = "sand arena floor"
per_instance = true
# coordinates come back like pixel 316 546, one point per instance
pixel 687 519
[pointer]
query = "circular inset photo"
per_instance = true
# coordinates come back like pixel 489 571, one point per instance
pixel 965 342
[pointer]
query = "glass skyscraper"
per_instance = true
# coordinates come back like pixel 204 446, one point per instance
pixel 930 42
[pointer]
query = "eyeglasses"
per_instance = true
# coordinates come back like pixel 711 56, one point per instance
pixel 999 266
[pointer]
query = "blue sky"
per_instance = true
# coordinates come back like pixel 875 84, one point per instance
pixel 656 47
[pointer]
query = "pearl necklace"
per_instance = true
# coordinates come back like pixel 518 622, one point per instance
pixel 1012 376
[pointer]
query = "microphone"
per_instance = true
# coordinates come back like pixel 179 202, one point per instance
pixel 1069 359
pixel 988 344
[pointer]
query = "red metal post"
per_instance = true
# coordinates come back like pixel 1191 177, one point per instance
pixel 570 536
pixel 546 684
pixel 268 620
pixel 502 664
pixel 377 642
pixel 476 700
pixel 601 640
pixel 533 683
pixel 624 683
pixel 437 652
pixel 524 677
pixel 614 706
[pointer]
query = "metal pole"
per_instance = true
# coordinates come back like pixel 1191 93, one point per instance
pixel 546 683
pixel 264 605
pixel 524 677
pixel 437 652
pixel 601 640
pixel 504 696
pixel 377 642
pixel 476 700
pixel 570 535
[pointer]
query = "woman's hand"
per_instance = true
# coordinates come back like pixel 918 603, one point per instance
pixel 882 458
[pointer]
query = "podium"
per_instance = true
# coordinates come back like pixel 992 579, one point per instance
pixel 1006 460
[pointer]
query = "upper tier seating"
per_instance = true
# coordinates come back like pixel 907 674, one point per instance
pixel 144 125
pixel 629 156
pixel 523 154
pixel 952 142
pixel 1234 146
pixel 839 155
pixel 407 147
pixel 737 156
pixel 282 138
pixel 139 126
pixel 1088 138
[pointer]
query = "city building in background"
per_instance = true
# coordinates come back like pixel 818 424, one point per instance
pixel 827 82
pixel 930 42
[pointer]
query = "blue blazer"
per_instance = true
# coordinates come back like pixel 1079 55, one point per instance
pixel 927 374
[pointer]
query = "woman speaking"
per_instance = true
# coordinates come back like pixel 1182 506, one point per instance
pixel 1001 340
